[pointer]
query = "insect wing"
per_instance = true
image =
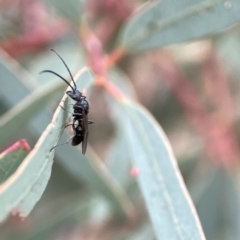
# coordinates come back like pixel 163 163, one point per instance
pixel 85 132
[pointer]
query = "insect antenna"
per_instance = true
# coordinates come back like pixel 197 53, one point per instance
pixel 49 71
pixel 66 67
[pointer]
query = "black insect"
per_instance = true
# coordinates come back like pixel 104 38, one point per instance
pixel 80 114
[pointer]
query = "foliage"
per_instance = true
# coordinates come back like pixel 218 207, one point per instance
pixel 131 188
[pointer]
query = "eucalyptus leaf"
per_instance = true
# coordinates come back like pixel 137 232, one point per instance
pixel 170 208
pixel 44 227
pixel 93 173
pixel 219 207
pixel 11 158
pixel 24 188
pixel 228 47
pixel 144 232
pixel 171 21
pixel 118 159
pixel 209 208
pixel 19 116
pixel 90 169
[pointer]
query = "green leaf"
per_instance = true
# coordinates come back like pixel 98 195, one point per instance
pixel 199 179
pixel 118 159
pixel 95 176
pixel 228 47
pixel 90 169
pixel 19 116
pixel 144 232
pixel 209 202
pixel 170 21
pixel 170 208
pixel 44 227
pixel 71 9
pixel 219 206
pixel 11 158
pixel 231 209
pixel 24 188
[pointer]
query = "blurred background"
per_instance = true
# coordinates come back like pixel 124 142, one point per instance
pixel 192 89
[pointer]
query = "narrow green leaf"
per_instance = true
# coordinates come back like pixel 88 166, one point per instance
pixel 144 232
pixel 219 206
pixel 13 90
pixel 228 47
pixel 209 202
pixel 11 158
pixel 24 188
pixel 19 116
pixel 232 207
pixel 90 169
pixel 170 208
pixel 44 227
pixel 118 159
pixel 170 21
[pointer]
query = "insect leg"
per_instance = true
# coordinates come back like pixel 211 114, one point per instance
pixel 73 126
pixel 63 143
pixel 68 125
